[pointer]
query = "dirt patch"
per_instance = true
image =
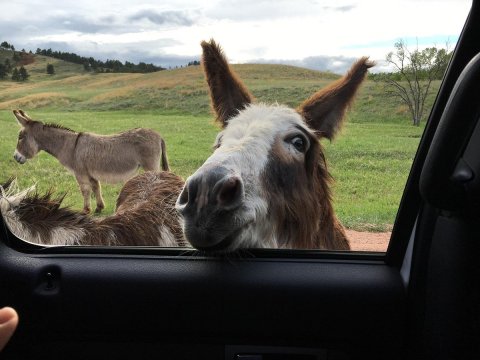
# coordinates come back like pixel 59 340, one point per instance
pixel 368 241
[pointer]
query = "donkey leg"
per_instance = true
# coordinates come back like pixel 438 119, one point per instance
pixel 86 191
pixel 97 190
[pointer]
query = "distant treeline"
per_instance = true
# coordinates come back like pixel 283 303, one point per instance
pixel 9 68
pixel 91 64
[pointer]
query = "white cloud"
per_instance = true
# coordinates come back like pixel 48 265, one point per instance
pixel 247 29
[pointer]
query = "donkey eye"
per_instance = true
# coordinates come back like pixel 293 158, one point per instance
pixel 218 142
pixel 299 143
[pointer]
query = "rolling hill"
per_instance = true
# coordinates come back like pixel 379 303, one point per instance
pixel 181 91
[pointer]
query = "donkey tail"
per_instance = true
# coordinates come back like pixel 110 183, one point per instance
pixel 164 160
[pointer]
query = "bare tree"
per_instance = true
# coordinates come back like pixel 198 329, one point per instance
pixel 413 75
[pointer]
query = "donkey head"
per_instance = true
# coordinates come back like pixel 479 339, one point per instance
pixel 27 147
pixel 266 184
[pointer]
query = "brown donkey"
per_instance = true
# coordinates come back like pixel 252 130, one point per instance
pixel 266 184
pixel 145 215
pixel 92 158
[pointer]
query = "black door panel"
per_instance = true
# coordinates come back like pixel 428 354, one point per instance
pixel 106 299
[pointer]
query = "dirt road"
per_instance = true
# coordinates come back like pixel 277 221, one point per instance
pixel 368 241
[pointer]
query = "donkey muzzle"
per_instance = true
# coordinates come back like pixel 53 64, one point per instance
pixel 19 157
pixel 208 203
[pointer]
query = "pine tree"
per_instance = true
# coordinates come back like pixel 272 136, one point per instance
pixel 15 57
pixel 50 69
pixel 15 75
pixel 3 71
pixel 23 74
pixel 8 65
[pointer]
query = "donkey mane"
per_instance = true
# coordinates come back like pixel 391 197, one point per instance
pixel 7 185
pixel 34 215
pixel 42 219
pixel 58 126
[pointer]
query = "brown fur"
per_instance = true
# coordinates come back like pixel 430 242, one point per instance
pixel 92 157
pixel 146 204
pixel 300 201
pixel 325 110
pixel 228 94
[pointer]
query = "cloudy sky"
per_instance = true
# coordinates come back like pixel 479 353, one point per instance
pixel 319 34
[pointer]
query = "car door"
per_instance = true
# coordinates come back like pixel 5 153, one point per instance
pixel 441 204
pixel 420 299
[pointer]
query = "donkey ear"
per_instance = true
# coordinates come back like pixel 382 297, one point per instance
pixel 227 92
pixel 324 111
pixel 22 118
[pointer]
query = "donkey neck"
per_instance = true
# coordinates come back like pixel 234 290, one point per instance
pixel 56 141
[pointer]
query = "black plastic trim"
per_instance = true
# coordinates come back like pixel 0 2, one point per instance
pixel 452 135
pixel 29 248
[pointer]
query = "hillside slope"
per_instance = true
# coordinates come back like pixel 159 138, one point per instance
pixel 181 91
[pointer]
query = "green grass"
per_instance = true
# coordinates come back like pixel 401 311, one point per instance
pixel 370 160
pixel 370 163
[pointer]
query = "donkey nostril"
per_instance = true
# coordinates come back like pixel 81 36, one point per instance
pixel 230 192
pixel 183 198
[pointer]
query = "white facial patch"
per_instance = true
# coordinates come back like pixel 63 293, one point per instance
pixel 248 137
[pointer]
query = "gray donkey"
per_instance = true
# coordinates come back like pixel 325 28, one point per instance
pixel 91 157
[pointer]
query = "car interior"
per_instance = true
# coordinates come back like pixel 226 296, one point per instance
pixel 418 300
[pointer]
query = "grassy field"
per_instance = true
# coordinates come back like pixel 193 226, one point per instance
pixel 370 160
